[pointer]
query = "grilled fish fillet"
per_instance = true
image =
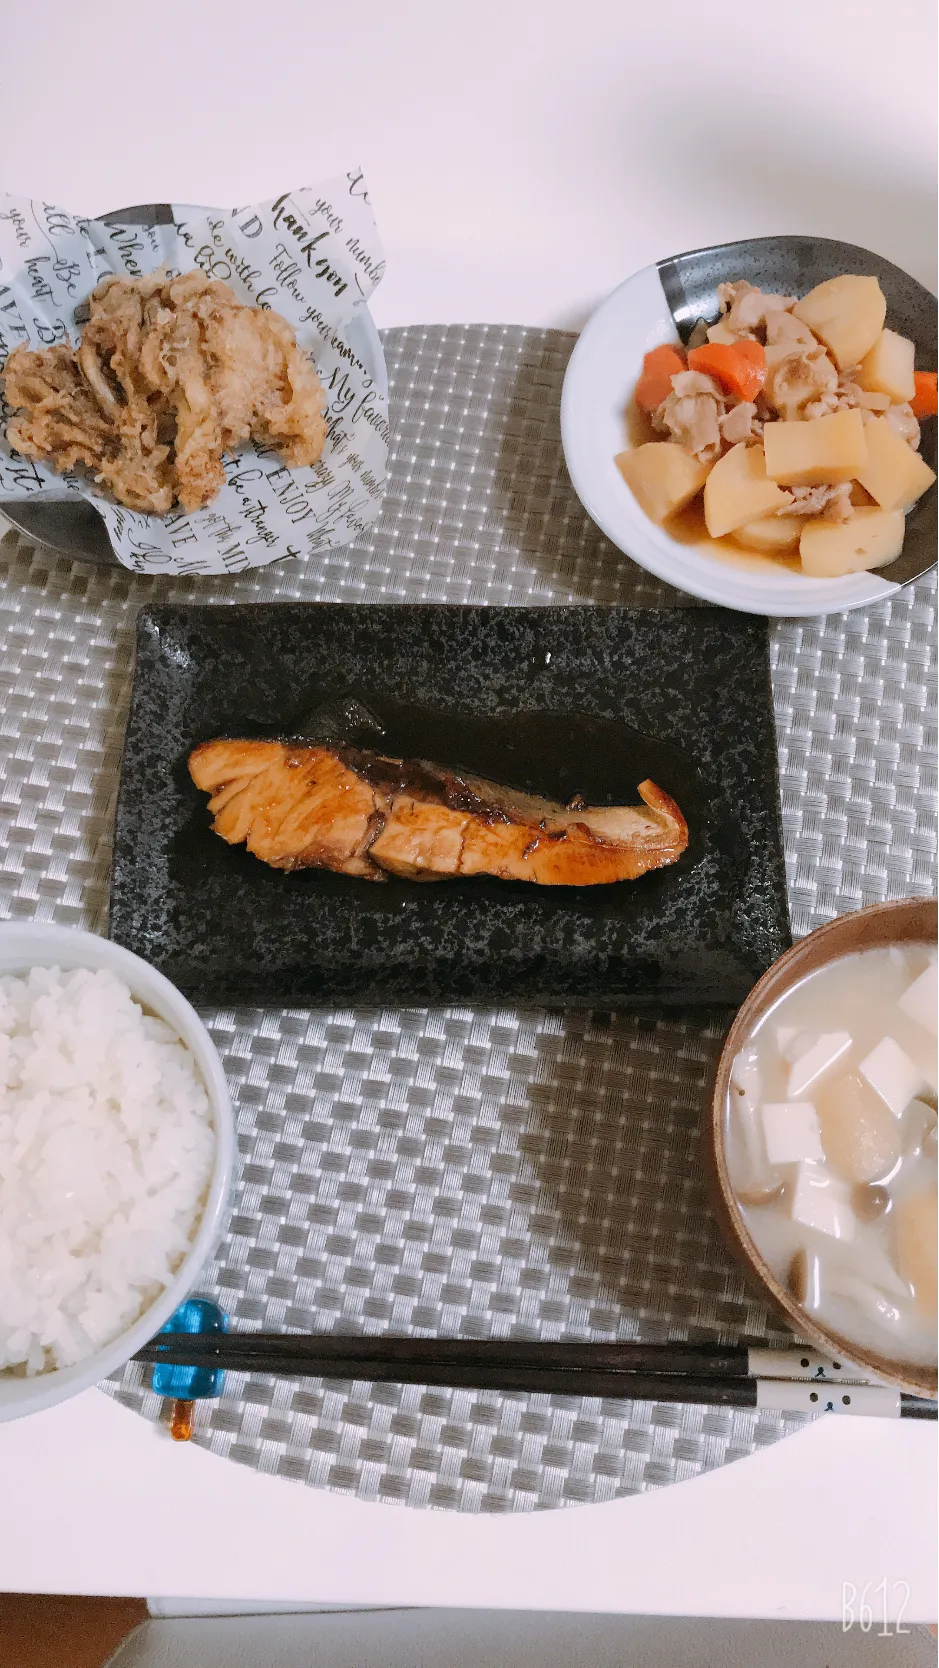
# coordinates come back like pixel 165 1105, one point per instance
pixel 356 812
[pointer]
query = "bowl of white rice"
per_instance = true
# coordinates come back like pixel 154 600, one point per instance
pixel 117 1149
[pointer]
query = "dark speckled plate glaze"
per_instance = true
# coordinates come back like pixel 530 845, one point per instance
pixel 682 694
pixel 792 266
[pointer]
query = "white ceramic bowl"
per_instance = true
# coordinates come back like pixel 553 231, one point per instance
pixel 36 944
pixel 660 304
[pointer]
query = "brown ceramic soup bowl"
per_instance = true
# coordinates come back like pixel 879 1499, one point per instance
pixel 909 921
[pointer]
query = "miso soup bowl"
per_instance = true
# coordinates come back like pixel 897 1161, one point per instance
pixel 910 921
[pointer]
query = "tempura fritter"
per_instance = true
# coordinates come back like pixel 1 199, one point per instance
pixel 170 374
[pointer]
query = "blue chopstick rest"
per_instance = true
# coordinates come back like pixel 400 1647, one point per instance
pixel 184 1386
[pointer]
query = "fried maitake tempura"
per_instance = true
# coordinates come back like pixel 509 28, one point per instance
pixel 170 374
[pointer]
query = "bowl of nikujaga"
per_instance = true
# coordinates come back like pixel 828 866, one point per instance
pixel 681 481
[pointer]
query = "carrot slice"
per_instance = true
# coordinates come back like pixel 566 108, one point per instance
pixel 739 367
pixel 925 401
pixel 655 383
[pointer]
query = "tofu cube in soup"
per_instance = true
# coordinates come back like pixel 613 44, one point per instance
pixel 870 539
pixel 920 1001
pixel 896 1078
pixel 663 477
pixel 738 490
pixel 893 474
pixel 791 1132
pixel 888 368
pixel 847 314
pixel 822 1202
pixel 792 1040
pixel 818 1057
pixel 925 1057
pixel 824 451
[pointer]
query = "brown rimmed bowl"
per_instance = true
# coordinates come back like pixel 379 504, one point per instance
pixel 909 921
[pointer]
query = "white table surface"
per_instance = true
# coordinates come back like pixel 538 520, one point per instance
pixel 522 159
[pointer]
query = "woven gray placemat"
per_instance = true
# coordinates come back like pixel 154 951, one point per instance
pixel 463 1171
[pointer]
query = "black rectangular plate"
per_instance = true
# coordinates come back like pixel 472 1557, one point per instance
pixel 227 928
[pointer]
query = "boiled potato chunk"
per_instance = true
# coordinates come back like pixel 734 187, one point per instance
pixel 888 368
pixel 774 535
pixel 821 452
pixel 894 474
pixel 662 476
pixel 737 490
pixel 721 333
pixel 847 314
pixel 916 1247
pixel 871 539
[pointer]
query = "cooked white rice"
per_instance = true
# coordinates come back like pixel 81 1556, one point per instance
pixel 106 1152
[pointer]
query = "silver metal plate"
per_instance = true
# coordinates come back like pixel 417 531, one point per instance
pixel 461 1171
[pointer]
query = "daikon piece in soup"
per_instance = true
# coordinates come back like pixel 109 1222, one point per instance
pixel 831 1146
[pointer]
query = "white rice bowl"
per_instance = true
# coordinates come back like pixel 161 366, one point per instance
pixel 107 1151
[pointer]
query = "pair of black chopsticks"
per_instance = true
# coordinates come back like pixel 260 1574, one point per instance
pixel 715 1375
